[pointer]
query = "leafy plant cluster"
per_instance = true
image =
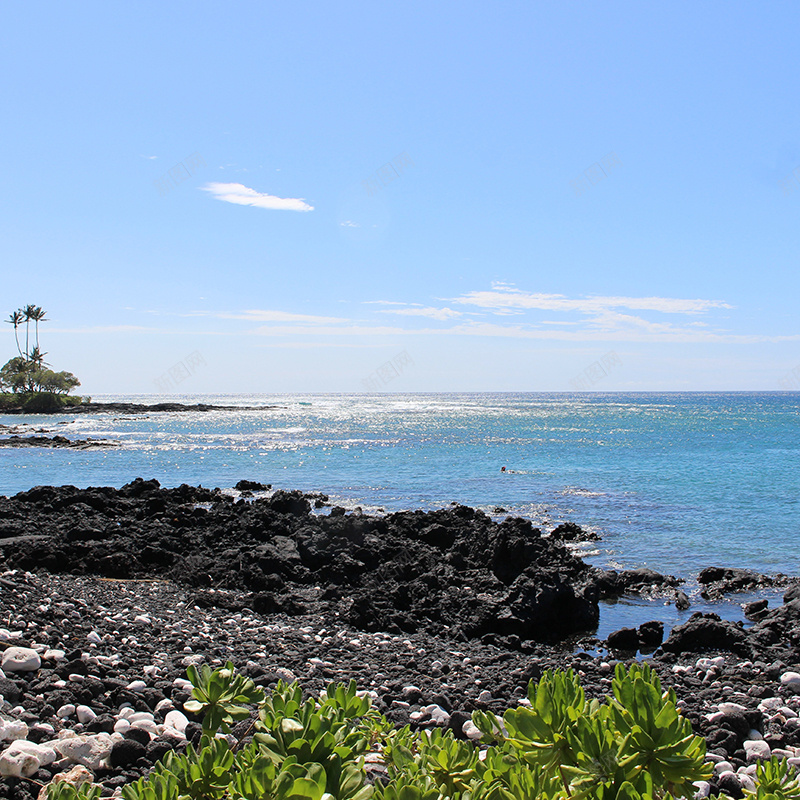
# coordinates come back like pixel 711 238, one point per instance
pixel 26 377
pixel 634 745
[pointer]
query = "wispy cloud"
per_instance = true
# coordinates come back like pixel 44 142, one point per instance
pixel 267 315
pixel 505 311
pixel 503 298
pixel 244 196
pixel 423 311
pixel 258 315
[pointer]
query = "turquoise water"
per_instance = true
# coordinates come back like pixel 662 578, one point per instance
pixel 673 481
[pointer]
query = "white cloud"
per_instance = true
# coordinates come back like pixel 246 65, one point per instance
pixel 427 311
pixel 348 223
pixel 258 315
pixel 660 333
pixel 244 196
pixel 503 299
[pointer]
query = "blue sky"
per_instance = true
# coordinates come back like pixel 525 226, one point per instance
pixel 510 196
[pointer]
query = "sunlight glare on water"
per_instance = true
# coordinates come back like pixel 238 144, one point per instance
pixel 671 481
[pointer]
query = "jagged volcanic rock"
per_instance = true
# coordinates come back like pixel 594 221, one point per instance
pixel 452 571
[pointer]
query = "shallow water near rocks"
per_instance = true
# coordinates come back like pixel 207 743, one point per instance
pixel 630 612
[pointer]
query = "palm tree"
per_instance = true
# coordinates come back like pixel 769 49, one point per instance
pixel 28 311
pixel 37 357
pixel 16 320
pixel 37 314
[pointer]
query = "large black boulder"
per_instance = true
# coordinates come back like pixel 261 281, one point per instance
pixel 624 639
pixel 707 632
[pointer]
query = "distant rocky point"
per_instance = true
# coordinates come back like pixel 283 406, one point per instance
pixel 138 408
pixel 55 441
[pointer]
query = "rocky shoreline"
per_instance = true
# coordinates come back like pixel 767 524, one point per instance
pixel 111 593
pixel 136 408
pixel 55 441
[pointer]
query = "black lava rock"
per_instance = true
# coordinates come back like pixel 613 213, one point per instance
pixel 651 634
pixel 126 752
pixel 624 639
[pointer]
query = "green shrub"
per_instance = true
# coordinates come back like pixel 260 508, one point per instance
pixel 42 403
pixel 633 746
pixel 75 399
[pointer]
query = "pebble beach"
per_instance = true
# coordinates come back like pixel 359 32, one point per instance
pixel 94 664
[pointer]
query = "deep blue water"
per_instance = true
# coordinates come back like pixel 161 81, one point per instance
pixel 673 481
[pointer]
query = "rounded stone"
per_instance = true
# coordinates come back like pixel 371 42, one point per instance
pixel 20 659
pixel 791 682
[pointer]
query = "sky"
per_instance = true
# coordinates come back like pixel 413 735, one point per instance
pixel 417 197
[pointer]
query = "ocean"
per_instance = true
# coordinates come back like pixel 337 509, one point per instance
pixel 673 481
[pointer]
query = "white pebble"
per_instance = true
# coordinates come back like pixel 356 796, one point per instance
pixel 756 750
pixel 136 686
pixel 286 675
pixel 703 790
pixel 12 729
pixel 173 734
pixel 87 750
pixel 747 782
pixel 732 708
pixel 45 727
pixel 140 716
pixel 485 696
pixel 54 655
pixel 94 637
pixel 85 714
pixel 146 725
pixel 471 730
pixel 122 726
pixel 18 764
pixel 791 682
pixel 66 711
pixel 438 714
pixel 770 704
pixel 176 719
pixel 20 659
